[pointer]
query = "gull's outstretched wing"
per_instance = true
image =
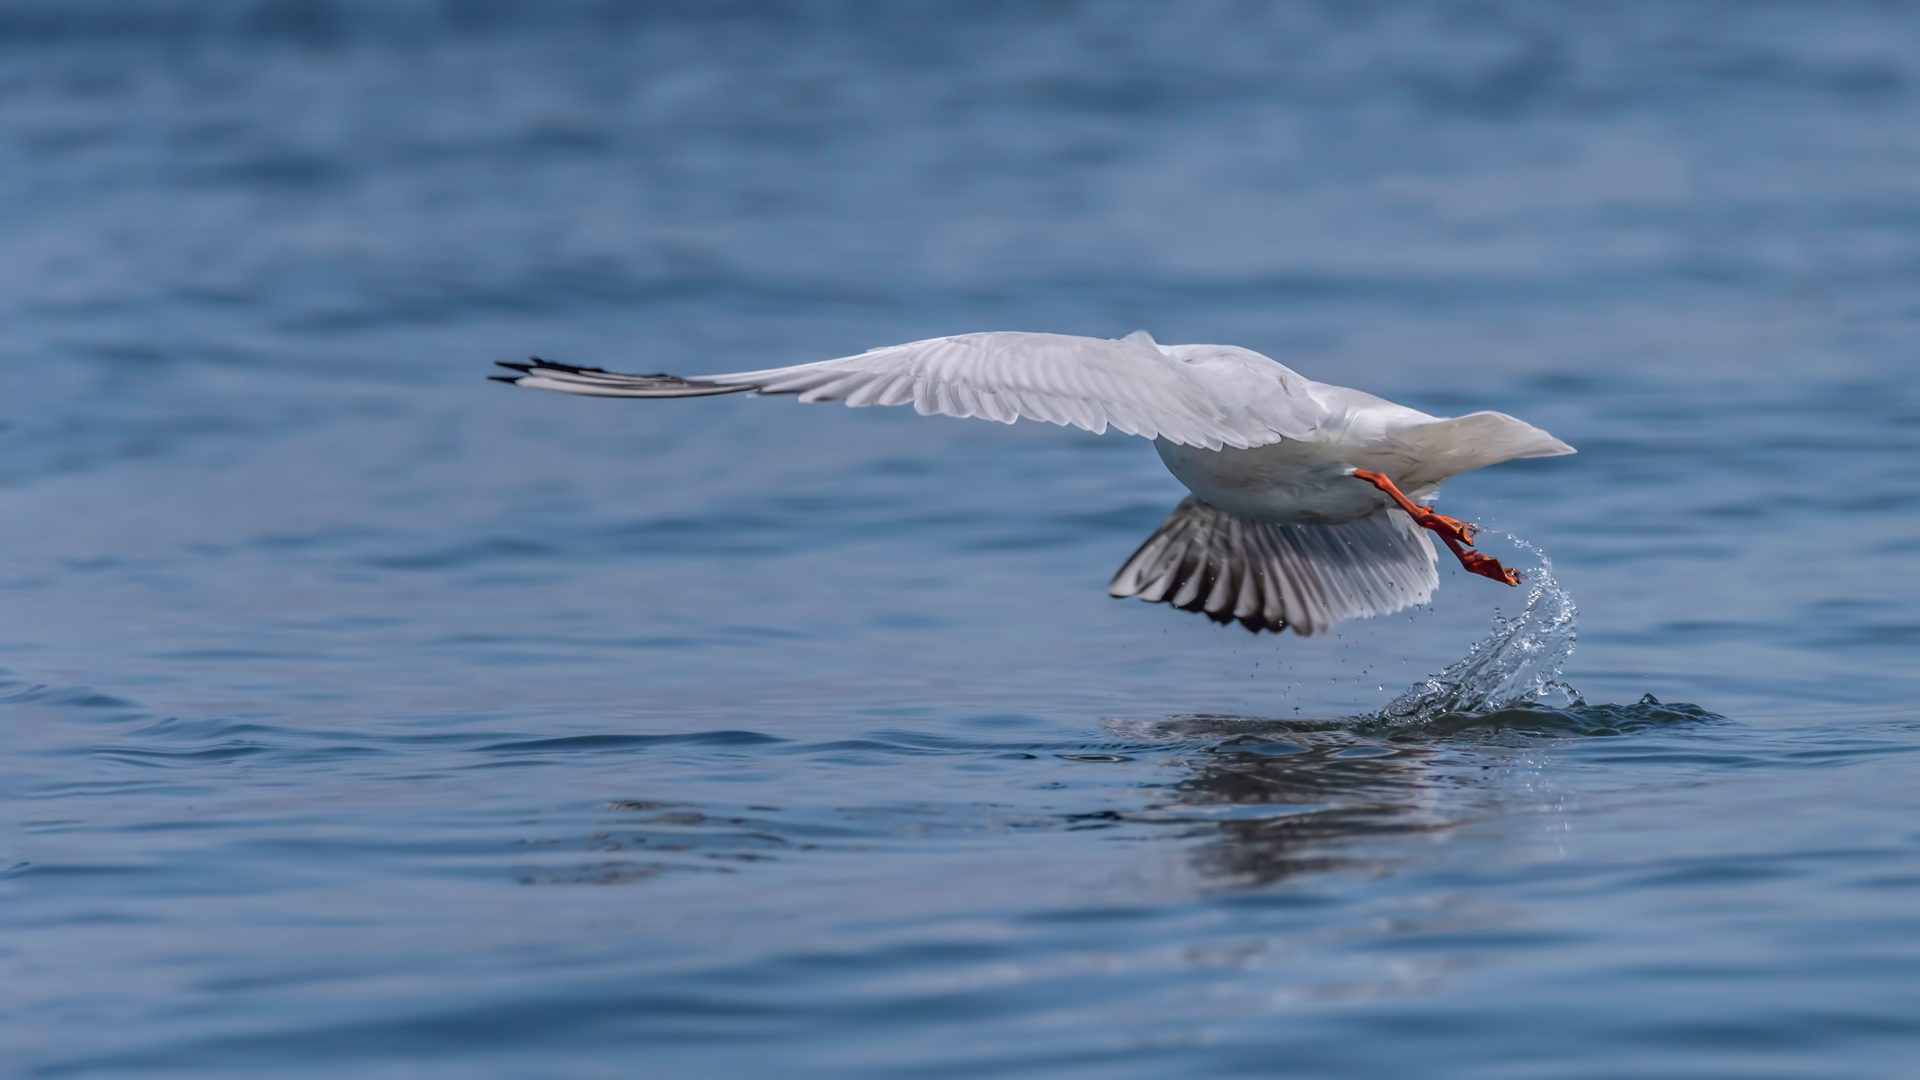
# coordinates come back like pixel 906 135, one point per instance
pixel 1270 577
pixel 1194 395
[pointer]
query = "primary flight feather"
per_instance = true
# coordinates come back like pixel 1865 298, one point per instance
pixel 1309 499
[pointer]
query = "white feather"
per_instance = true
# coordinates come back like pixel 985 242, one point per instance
pixel 1191 395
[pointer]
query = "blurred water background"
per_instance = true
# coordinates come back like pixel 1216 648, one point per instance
pixel 364 718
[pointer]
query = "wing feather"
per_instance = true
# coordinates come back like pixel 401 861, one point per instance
pixel 1193 395
pixel 1270 577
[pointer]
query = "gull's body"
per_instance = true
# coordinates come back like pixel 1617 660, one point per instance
pixel 1295 483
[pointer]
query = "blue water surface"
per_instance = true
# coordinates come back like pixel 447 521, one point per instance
pixel 365 718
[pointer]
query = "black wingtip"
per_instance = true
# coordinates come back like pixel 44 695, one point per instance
pixel 524 369
pixel 557 366
pixel 510 380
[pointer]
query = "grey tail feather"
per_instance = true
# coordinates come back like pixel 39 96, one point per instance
pixel 1270 577
pixel 598 382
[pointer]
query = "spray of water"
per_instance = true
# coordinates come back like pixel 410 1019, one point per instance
pixel 1519 661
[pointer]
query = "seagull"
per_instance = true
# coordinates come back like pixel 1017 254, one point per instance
pixel 1311 503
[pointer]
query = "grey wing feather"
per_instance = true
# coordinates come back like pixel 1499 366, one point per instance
pixel 1269 577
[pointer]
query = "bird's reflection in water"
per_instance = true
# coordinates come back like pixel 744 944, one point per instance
pixel 1283 799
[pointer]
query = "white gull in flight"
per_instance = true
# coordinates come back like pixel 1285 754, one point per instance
pixel 1309 499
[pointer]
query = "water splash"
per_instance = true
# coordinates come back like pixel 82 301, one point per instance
pixel 1520 660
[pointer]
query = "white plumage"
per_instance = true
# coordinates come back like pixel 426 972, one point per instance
pixel 1280 531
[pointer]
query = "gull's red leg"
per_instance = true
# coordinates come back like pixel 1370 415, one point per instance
pixel 1448 528
pixel 1456 534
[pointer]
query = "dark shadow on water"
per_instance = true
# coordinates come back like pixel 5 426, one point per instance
pixel 1273 800
pixel 1288 814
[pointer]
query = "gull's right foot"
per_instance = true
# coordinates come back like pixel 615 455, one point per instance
pixel 1487 566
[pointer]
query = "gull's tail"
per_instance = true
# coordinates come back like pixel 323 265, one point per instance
pixel 1270 577
pixel 595 382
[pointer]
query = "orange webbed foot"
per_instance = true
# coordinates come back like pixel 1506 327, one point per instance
pixel 1488 566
